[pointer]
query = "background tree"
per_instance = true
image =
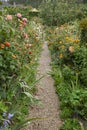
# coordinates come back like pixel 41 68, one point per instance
pixel 34 3
pixel 84 1
pixel 57 12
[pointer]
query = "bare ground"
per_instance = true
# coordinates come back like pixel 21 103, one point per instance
pixel 49 109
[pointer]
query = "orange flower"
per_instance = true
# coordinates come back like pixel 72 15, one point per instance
pixel 71 49
pixel 7 44
pixel 2 46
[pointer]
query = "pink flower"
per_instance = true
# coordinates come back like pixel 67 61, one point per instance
pixel 25 35
pixel 24 20
pixel 8 17
pixel 19 15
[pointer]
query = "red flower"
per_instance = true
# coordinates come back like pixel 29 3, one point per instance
pixel 7 44
pixel 30 52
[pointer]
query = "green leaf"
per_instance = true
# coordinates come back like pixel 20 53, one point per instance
pixel 24 123
pixel 28 94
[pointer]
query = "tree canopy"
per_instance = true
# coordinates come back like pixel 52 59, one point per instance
pixel 36 3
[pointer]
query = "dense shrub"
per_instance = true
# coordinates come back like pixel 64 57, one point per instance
pixel 69 61
pixel 58 13
pixel 83 29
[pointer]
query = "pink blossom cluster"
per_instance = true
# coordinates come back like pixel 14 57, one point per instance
pixel 9 17
pixel 19 15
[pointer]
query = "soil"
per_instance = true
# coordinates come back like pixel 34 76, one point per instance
pixel 49 107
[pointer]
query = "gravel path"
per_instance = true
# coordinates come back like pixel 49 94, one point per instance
pixel 49 109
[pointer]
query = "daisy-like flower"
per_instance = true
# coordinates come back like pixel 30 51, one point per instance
pixel 71 49
pixel 9 17
pixel 24 20
pixel 19 15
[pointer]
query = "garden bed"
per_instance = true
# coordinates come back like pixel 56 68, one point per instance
pixel 69 63
pixel 20 47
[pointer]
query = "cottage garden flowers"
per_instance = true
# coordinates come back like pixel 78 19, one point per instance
pixel 18 63
pixel 69 64
pixel 20 46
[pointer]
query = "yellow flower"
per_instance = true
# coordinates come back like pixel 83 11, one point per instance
pixel 67 38
pixel 2 46
pixel 60 42
pixel 77 40
pixel 78 46
pixel 62 47
pixel 61 56
pixel 14 56
pixel 71 40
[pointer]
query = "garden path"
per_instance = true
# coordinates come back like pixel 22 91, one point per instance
pixel 49 109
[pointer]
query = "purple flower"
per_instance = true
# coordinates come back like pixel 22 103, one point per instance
pixel 4 114
pixel 5 123
pixel 10 116
pixel 1 128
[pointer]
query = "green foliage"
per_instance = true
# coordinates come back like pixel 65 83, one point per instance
pixel 0 3
pixel 56 13
pixel 18 63
pixel 71 125
pixel 34 3
pixel 83 28
pixel 69 62
pixel 75 101
pixel 66 113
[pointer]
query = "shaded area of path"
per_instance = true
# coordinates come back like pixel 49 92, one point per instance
pixel 46 93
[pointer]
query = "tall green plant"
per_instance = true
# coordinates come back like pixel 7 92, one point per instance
pixel 59 12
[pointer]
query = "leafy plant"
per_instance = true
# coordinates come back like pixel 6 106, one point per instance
pixel 83 28
pixel 71 124
pixel 69 65
pixel 18 66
